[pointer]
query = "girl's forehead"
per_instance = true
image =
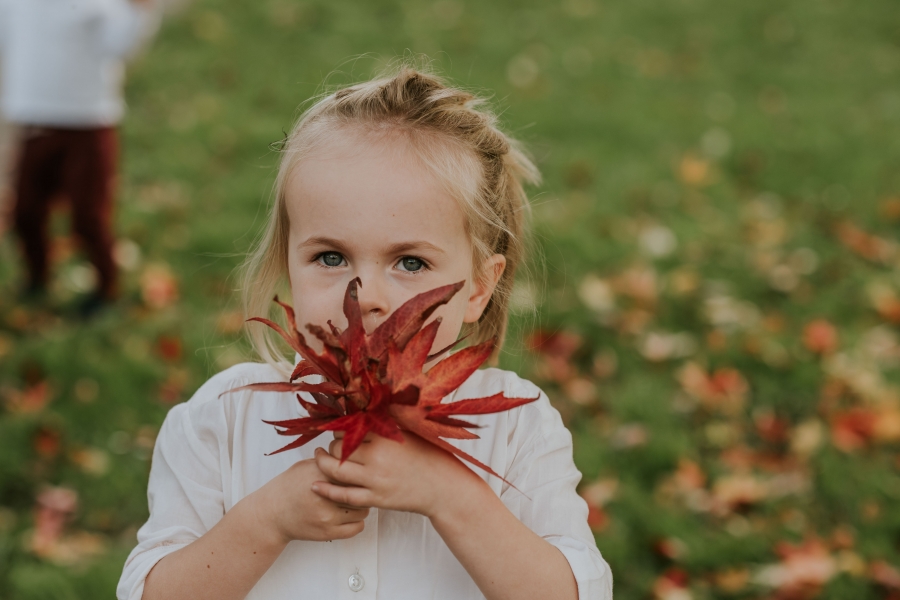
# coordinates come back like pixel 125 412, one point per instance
pixel 363 184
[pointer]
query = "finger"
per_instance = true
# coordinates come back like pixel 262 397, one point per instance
pixel 336 448
pixel 347 473
pixel 353 496
pixel 356 459
pixel 351 514
pixel 348 530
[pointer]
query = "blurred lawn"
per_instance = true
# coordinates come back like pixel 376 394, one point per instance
pixel 718 306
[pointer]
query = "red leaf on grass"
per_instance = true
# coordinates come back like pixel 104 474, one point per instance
pixel 376 382
pixel 885 574
pixel 169 347
pixel 865 244
pixel 853 428
pixel 47 442
pixel 820 337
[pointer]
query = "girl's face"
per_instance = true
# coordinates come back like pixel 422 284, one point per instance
pixel 367 208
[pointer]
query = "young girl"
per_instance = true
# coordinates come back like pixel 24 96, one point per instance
pixel 62 65
pixel 405 184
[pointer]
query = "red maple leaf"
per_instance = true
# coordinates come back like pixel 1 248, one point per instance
pixel 376 382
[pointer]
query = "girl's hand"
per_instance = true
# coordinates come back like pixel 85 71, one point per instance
pixel 287 507
pixel 414 476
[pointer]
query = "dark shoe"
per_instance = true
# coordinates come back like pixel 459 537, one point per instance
pixel 33 296
pixel 92 306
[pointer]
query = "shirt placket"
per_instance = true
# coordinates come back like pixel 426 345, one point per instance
pixel 358 571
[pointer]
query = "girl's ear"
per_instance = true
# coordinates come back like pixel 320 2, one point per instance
pixel 483 287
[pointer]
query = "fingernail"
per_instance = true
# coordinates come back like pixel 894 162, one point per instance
pixel 315 487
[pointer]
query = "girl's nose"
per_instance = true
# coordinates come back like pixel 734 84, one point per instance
pixel 374 303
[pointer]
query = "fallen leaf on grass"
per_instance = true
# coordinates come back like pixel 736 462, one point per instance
pixel 806 438
pixel 562 344
pixel 597 495
pixel 853 429
pixel 851 563
pixel 889 208
pixel 803 571
pixel 581 390
pixel 159 288
pixel 629 435
pixel 686 485
pixel 864 244
pixel 670 548
pixel 885 301
pixel 53 509
pixel 47 442
pixel 672 585
pixel 230 322
pixel 820 337
pixel 172 389
pixel 737 492
pixel 694 170
pixel 659 346
pixel 597 294
pixel 885 574
pixel 640 283
pixel 556 349
pixel 724 389
pixel 733 580
pixel 689 475
pixel 770 427
pixel 92 461
pixel 597 518
pixel 32 399
pixel 169 347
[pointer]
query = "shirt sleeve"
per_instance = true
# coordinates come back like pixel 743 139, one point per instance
pixel 4 23
pixel 185 491
pixel 542 467
pixel 126 26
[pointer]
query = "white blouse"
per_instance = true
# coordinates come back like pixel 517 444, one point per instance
pixel 210 454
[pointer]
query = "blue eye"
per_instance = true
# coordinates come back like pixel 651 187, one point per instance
pixel 331 259
pixel 411 264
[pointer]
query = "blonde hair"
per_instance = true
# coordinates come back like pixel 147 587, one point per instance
pixel 457 140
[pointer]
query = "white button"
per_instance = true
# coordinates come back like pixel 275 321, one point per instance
pixel 356 582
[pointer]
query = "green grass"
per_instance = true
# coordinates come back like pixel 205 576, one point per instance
pixel 792 109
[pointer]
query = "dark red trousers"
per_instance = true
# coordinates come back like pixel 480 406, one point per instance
pixel 80 166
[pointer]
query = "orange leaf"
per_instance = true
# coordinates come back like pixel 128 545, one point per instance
pixel 159 288
pixel 725 389
pixel 864 244
pixel 853 429
pixel 885 574
pixel 820 337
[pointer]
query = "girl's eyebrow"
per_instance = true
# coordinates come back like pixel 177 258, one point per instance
pixel 402 247
pixel 398 248
pixel 323 241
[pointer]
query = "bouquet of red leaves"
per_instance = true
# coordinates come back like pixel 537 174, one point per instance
pixel 375 382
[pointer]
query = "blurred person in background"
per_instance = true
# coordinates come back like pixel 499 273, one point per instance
pixel 62 74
